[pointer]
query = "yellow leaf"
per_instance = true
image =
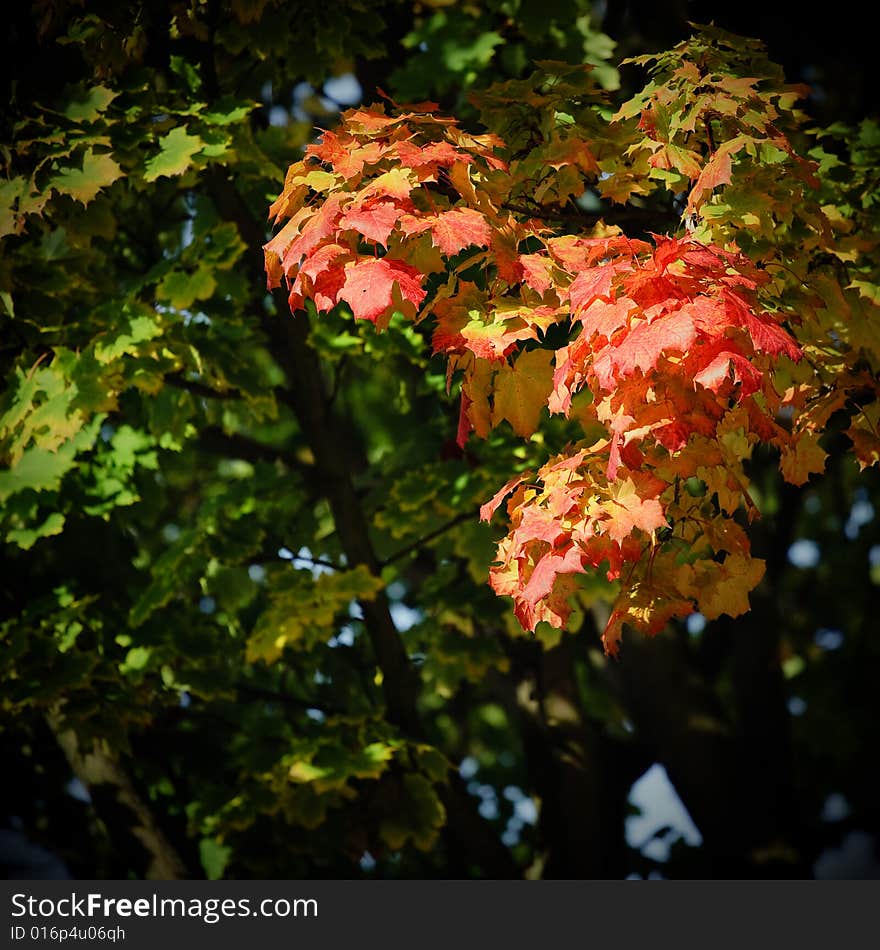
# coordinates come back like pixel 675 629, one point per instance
pixel 804 459
pixel 721 588
pixel 521 392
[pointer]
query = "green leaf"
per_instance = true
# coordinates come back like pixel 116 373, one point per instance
pixel 141 329
pixel 214 857
pixel 40 411
pixel 175 155
pixel 87 105
pixel 82 184
pixel 25 538
pixel 136 659
pixel 334 765
pixel 41 469
pixel 228 111
pixel 303 609
pixel 187 72
pixel 182 290
pixel 419 815
pixel 11 193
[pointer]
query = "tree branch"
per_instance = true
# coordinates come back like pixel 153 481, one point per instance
pixel 117 802
pixel 431 536
pixel 179 381
pixel 644 218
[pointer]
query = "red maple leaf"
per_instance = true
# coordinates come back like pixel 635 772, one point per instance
pixel 321 225
pixel 321 259
pixel 545 573
pixel 536 271
pixel 375 220
pixel 441 154
pixel 452 231
pixel 643 346
pixel 345 156
pixel 632 506
pixel 369 286
pixel 487 510
pixel 592 284
pixel 605 319
pixel 326 287
pixel 727 367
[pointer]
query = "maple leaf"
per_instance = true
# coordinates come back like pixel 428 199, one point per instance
pixel 176 150
pixel 619 425
pixel 543 577
pixel 475 391
pixel 717 171
pixel 315 227
pixel 766 335
pixel 509 578
pixel 725 367
pixel 488 335
pixel 488 509
pixel 539 523
pixel 464 420
pixel 442 154
pixel 592 284
pixel 605 319
pixel 643 346
pixel 570 373
pixel 493 341
pixel 537 272
pixel 453 313
pixel 521 391
pixel 82 184
pixel 370 120
pixel 803 459
pixel 770 338
pixel 633 505
pixel 369 286
pixel 274 250
pixel 505 253
pixel 374 221
pixel 395 183
pixel 866 446
pixel 327 285
pixel 88 104
pixel 348 161
pixel 452 231
pixel 721 588
pixel 644 608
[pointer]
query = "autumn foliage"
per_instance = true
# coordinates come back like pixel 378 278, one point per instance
pixel 677 354
pixel 629 313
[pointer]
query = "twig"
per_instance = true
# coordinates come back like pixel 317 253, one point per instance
pixel 464 516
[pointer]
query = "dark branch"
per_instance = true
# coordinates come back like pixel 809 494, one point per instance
pixel 179 381
pixel 431 536
pixel 643 218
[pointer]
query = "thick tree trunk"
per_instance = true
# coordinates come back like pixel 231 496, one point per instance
pixel 731 785
pixel 581 775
